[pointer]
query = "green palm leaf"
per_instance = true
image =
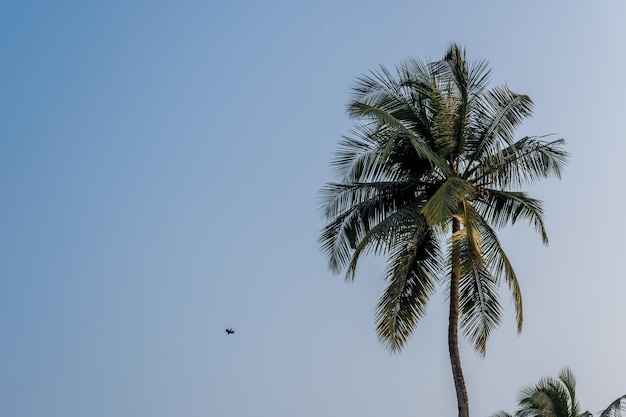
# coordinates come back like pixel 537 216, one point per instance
pixel 500 266
pixel 615 408
pixel 411 275
pixel 556 397
pixel 526 161
pixel 500 208
pixel 497 115
pixel 390 232
pixel 400 128
pixel 447 200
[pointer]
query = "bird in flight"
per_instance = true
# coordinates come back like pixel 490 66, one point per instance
pixel 230 331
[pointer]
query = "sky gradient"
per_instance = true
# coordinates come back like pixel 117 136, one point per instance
pixel 160 164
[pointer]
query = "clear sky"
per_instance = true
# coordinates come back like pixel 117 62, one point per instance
pixel 159 170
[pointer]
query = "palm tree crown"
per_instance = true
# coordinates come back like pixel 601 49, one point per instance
pixel 556 397
pixel 430 171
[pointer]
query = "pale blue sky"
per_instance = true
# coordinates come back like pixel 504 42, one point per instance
pixel 159 169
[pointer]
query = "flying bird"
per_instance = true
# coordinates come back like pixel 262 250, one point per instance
pixel 230 331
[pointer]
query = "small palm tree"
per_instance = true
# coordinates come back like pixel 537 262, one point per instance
pixel 432 169
pixel 556 397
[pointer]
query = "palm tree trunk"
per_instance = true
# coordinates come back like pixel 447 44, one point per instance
pixel 453 333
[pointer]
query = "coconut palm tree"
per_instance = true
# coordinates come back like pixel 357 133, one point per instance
pixel 556 397
pixel 430 171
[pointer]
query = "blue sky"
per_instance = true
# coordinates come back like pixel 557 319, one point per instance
pixel 159 167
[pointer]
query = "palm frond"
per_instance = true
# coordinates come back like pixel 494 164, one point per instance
pixel 501 208
pixel 358 158
pixel 566 376
pixel 338 198
pixel 501 414
pixel 355 209
pixel 495 117
pixel 480 307
pixel 479 301
pixel 446 125
pixel 536 401
pixel 526 161
pixel 478 79
pixel 446 201
pixel 411 96
pixel 451 118
pixel 456 69
pixel 350 216
pixel 380 88
pixel 471 221
pixel 387 120
pixel 392 93
pixel 615 408
pixel 374 155
pixel 412 273
pixel 399 226
pixel 500 266
pixel 338 238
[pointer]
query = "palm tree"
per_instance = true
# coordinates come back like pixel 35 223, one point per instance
pixel 430 171
pixel 556 397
